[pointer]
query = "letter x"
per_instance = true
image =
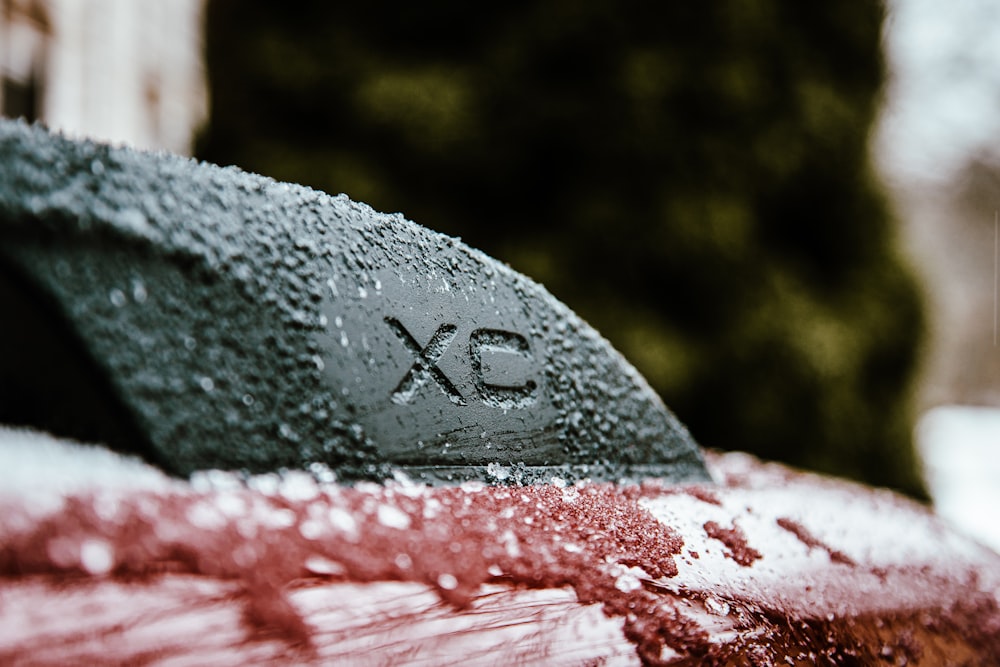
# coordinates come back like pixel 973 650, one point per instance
pixel 425 367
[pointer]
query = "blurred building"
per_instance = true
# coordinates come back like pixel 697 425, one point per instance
pixel 125 71
pixel 938 153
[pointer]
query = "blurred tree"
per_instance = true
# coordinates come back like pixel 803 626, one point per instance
pixel 692 178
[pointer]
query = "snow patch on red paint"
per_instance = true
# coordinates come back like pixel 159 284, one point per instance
pixel 263 538
pixel 594 538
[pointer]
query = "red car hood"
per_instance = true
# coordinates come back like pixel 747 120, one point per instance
pixel 106 561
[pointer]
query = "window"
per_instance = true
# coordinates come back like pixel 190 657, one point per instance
pixel 24 34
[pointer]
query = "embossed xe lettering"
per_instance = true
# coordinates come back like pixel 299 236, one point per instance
pixel 508 351
pixel 425 365
pixel 500 362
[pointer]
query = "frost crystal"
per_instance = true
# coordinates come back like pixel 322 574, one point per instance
pixel 393 517
pixel 298 486
pixel 498 472
pixel 343 521
pixel 96 556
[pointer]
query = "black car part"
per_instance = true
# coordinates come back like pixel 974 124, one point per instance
pixel 203 317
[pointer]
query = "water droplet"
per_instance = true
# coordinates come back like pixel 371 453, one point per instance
pixel 264 484
pixel 190 343
pixel 205 481
pixel 248 400
pixel 403 562
pixel 320 565
pixel 497 471
pixel 362 292
pixel 230 504
pixel 570 495
pixel 343 339
pixel 139 292
pixel 448 582
pixel 298 486
pixel 96 557
pixel 318 360
pixel 62 551
pixel 278 518
pixel 322 473
pixel 206 516
pixel 97 167
pixel 510 544
pixel 117 298
pixel 134 221
pixel 627 583
pixel 206 383
pixel 342 520
pixel 393 517
pixel 717 606
pixel 311 530
pixel 106 507
pixel 402 478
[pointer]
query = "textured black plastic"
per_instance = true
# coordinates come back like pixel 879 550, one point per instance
pixel 242 323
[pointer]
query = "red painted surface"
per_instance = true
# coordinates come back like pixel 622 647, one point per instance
pixel 770 566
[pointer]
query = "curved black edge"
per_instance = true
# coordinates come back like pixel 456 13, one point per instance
pixel 248 324
pixel 519 474
pixel 47 380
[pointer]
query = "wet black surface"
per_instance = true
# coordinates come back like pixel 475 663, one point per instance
pixel 243 323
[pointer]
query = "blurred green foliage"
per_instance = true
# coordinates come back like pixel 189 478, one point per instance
pixel 692 178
